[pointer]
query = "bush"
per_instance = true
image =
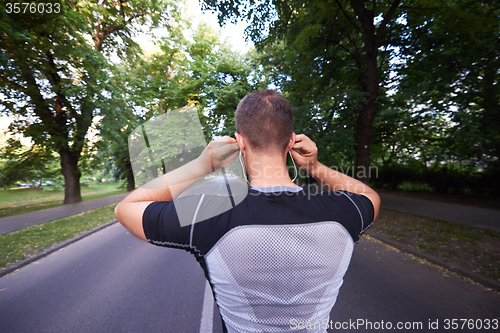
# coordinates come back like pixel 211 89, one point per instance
pixel 411 186
pixel 442 180
pixel 57 185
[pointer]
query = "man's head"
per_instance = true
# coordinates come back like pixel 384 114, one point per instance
pixel 264 118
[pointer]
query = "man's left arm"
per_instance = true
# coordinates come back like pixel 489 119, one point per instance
pixel 129 212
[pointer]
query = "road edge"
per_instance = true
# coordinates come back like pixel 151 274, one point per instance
pixel 9 269
pixel 486 282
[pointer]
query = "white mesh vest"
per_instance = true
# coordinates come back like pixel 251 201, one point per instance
pixel 268 278
pixel 276 260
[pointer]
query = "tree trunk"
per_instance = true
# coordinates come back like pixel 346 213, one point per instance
pixel 130 177
pixel 364 123
pixel 489 101
pixel 366 116
pixel 69 166
pixel 364 135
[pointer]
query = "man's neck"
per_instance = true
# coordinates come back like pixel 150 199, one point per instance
pixel 268 170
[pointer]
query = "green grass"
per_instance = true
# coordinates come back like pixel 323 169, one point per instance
pixel 14 194
pixel 411 186
pixel 24 243
pixel 20 201
pixel 473 249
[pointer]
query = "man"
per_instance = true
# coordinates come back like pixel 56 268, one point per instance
pixel 277 259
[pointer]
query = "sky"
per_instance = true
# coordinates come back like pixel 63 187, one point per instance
pixel 4 122
pixel 234 34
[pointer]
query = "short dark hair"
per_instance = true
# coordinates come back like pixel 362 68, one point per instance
pixel 265 119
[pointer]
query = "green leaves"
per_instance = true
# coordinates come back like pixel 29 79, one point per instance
pixel 429 69
pixel 27 165
pixel 200 70
pixel 56 76
pixel 452 69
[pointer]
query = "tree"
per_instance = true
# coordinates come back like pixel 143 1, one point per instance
pixel 452 67
pixel 30 165
pixel 326 32
pixel 55 70
pixel 202 71
pixel 218 79
pixel 441 119
pixel 111 151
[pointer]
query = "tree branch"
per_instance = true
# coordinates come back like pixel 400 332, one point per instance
pixel 55 81
pixel 347 16
pixel 40 106
pixel 353 56
pixel 136 16
pixel 102 33
pixel 357 54
pixel 386 19
pixel 365 17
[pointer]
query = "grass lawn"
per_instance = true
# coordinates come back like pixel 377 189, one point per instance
pixel 24 243
pixel 25 200
pixel 472 249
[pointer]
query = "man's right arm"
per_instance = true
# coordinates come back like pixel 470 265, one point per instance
pixel 307 159
pixel 130 211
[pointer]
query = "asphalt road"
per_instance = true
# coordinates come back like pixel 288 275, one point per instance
pixel 112 282
pixel 472 216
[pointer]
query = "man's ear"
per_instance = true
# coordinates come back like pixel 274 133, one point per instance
pixel 291 143
pixel 240 141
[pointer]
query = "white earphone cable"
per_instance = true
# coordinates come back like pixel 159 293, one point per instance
pixel 245 172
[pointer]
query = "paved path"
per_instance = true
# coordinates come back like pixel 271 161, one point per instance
pixel 112 282
pixel 471 216
pixel 465 215
pixel 17 222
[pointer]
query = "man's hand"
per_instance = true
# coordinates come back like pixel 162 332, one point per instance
pixel 307 159
pixel 307 155
pixel 166 188
pixel 223 151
